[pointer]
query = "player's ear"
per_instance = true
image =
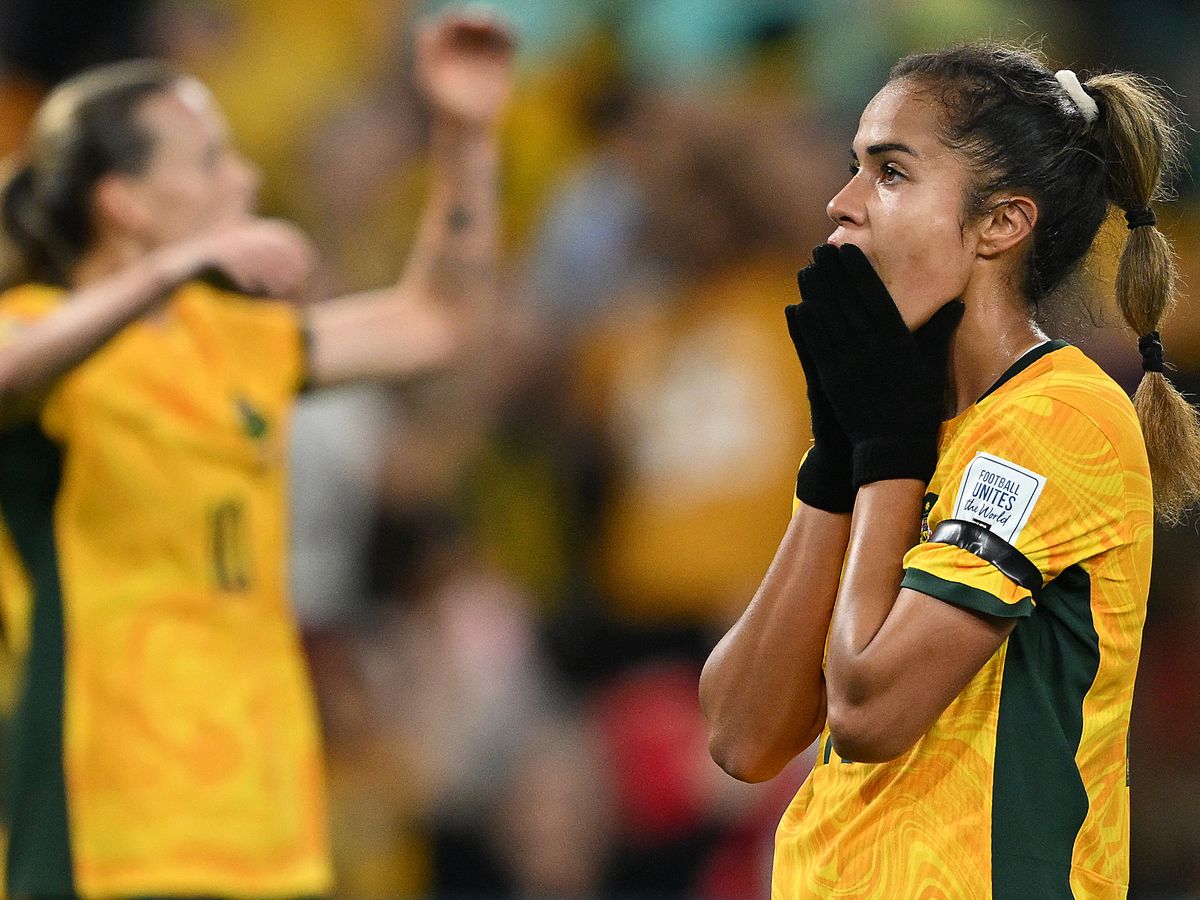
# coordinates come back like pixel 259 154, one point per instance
pixel 1008 222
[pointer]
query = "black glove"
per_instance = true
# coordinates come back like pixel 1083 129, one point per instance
pixel 824 479
pixel 886 385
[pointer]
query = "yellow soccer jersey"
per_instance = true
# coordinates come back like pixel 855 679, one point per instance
pixel 1019 790
pixel 166 741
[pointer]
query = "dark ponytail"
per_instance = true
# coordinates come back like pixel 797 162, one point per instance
pixel 1020 129
pixel 21 219
pixel 85 129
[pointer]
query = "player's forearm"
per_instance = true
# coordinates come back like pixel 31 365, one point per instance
pixel 423 323
pixel 39 355
pixel 884 526
pixel 455 258
pixel 762 688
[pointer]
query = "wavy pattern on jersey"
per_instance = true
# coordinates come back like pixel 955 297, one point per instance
pixel 170 529
pixel 921 826
pixel 876 827
pixel 1102 851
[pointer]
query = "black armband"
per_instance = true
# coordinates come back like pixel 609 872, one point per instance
pixel 989 547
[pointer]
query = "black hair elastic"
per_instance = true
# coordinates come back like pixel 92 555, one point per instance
pixel 1152 352
pixel 1136 218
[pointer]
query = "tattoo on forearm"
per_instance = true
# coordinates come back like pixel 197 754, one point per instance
pixel 459 218
pixel 459 259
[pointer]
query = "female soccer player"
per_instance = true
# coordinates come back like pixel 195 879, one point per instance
pixel 970 689
pixel 165 742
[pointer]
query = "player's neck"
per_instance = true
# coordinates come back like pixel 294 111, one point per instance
pixel 996 330
pixel 105 259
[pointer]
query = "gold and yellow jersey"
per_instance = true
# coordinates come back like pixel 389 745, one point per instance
pixel 1019 789
pixel 166 740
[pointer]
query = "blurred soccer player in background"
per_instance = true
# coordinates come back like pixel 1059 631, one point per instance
pixel 165 741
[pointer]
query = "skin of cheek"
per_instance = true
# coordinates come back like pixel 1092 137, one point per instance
pixel 184 195
pixel 181 211
pixel 186 201
pixel 921 257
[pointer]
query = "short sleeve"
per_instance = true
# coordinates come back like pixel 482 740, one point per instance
pixel 20 308
pixel 1037 473
pixel 265 339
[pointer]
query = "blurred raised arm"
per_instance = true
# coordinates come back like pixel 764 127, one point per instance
pixel 424 321
pixel 258 256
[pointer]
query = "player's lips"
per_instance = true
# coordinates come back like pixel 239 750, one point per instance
pixel 840 238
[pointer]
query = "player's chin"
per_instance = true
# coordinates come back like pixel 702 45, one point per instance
pixel 914 309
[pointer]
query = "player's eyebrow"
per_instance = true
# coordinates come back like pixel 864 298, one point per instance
pixel 887 147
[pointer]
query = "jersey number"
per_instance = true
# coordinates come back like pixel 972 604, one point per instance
pixel 230 546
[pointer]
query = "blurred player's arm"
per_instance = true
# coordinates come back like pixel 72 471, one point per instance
pixel 762 688
pixel 450 282
pixel 259 256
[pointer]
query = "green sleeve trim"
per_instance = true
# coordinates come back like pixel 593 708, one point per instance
pixel 965 596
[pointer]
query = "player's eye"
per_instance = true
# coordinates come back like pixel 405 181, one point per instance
pixel 889 174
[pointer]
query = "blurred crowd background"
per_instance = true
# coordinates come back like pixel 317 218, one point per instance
pixel 509 578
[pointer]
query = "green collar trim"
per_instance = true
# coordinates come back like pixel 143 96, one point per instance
pixel 1027 359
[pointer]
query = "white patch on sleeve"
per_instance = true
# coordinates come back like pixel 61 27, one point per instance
pixel 998 494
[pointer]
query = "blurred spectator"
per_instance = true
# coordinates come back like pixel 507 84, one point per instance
pixel 43 42
pixel 276 65
pixel 50 40
pixel 664 782
pixel 429 703
pixel 690 380
pixel 358 202
pixel 551 829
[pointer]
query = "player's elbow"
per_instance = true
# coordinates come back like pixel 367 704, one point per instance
pixel 754 734
pixel 755 754
pixel 863 733
pixel 439 335
pixel 445 342
pixel 746 760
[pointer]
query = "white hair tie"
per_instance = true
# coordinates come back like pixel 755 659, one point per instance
pixel 1075 91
